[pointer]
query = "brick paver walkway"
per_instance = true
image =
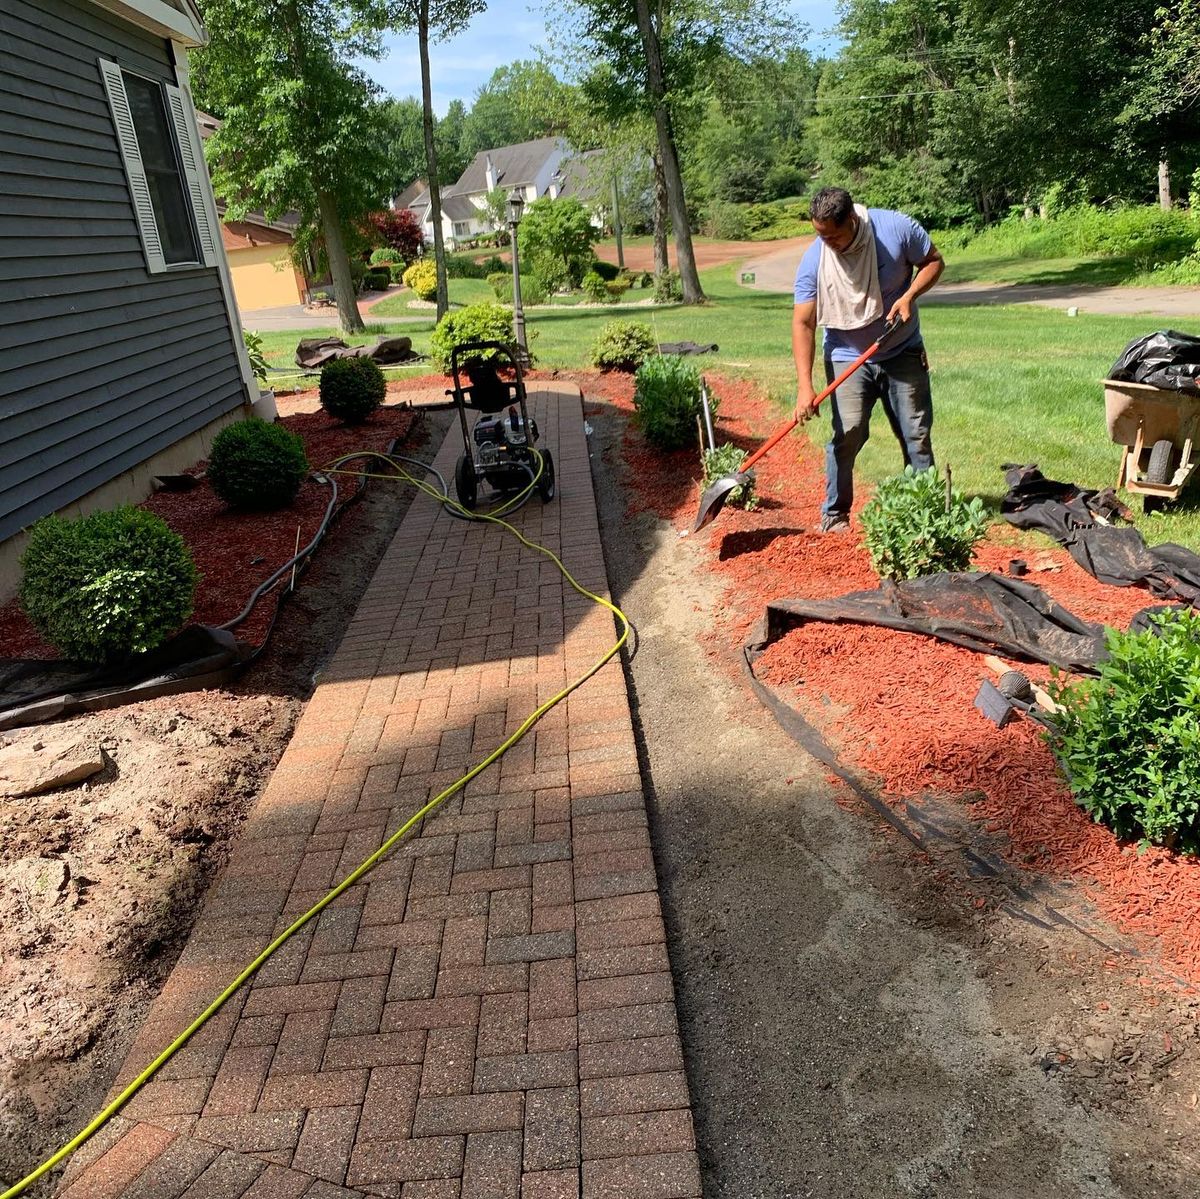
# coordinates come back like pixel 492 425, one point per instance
pixel 490 1013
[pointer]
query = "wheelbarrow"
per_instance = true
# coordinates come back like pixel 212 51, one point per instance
pixel 1157 429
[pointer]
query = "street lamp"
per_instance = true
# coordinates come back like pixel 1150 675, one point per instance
pixel 516 205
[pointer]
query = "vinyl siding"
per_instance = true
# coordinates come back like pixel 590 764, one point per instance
pixel 102 364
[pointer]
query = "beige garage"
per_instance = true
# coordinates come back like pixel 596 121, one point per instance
pixel 261 266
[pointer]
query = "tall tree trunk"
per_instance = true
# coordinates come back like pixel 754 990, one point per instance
pixel 1164 184
pixel 435 191
pixel 656 86
pixel 339 264
pixel 661 261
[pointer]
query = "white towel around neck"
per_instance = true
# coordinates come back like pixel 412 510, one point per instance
pixel 848 293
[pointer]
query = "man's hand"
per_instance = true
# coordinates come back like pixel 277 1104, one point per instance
pixel 806 407
pixel 901 310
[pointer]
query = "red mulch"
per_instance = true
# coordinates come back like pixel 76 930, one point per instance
pixel 899 705
pixel 235 551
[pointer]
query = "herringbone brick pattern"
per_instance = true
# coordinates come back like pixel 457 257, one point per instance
pixel 489 1014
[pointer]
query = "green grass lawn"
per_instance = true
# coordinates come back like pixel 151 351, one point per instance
pixel 1011 384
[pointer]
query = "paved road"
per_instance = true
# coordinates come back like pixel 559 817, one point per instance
pixel 774 271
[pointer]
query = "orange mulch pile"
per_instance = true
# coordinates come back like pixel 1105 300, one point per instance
pixel 235 551
pixel 899 705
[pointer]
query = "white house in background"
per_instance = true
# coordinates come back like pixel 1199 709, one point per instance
pixel 545 167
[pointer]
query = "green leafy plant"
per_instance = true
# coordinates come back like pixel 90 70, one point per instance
pixel 108 585
pixel 666 401
pixel 421 278
pixel 595 288
pixel 616 288
pixel 607 271
pixel 667 288
pixel 385 256
pixel 645 280
pixel 623 346
pixel 476 322
pixel 1128 741
pixel 257 466
pixel 396 272
pixel 727 460
pixel 501 283
pixel 377 278
pixel 533 290
pixel 351 389
pixel 254 350
pixel 911 530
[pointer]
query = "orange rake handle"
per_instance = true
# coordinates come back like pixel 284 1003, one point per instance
pixel 784 430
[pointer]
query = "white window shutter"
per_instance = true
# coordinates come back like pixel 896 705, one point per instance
pixel 139 190
pixel 192 158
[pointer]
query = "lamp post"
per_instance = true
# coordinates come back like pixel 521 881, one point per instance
pixel 516 205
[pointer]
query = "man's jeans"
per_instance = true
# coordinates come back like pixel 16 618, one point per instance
pixel 901 384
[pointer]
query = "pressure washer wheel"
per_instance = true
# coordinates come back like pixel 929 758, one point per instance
pixel 1012 684
pixel 546 482
pixel 1159 469
pixel 465 483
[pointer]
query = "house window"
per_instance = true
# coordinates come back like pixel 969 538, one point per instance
pixel 462 228
pixel 154 124
pixel 172 213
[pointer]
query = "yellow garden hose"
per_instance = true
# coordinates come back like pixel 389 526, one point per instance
pixel 115 1105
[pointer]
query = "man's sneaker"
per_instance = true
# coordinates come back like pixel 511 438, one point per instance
pixel 834 523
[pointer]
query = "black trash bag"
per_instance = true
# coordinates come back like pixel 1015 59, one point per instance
pixel 1166 359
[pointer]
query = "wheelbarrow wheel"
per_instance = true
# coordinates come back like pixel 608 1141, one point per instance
pixel 1160 469
pixel 465 482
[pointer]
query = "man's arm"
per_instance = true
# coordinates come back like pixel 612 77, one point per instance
pixel 804 341
pixel 929 271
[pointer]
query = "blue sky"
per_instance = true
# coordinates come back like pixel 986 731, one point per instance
pixel 507 31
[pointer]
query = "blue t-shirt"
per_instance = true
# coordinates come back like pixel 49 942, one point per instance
pixel 900 244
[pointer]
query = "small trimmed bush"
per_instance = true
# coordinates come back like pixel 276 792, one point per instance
pixel 352 388
pixel 501 283
pixel 607 271
pixel 396 272
pixel 623 346
pixel 911 530
pixel 421 277
pixel 533 290
pixel 476 322
pixel 1128 741
pixel 107 585
pixel 667 288
pixel 645 279
pixel 616 288
pixel 385 256
pixel 666 401
pixel 377 278
pixel 595 288
pixel 257 466
pixel 727 460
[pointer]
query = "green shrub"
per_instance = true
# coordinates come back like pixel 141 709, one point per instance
pixel 385 256
pixel 256 465
pixel 595 288
pixel 783 180
pixel 607 271
pixel 727 460
pixel 464 266
pixel 666 401
pixel 778 218
pixel 501 283
pixel 623 346
pixel 726 221
pixel 616 288
pixel 667 288
pixel 476 322
pixel 645 279
pixel 351 389
pixel 377 278
pixel 911 531
pixel 421 277
pixel 1128 741
pixel 396 272
pixel 533 290
pixel 107 585
pixel 254 350
pixel 492 264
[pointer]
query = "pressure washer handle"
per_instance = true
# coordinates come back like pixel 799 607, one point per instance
pixel 784 430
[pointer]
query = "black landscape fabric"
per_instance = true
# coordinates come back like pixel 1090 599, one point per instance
pixel 1164 359
pixel 1118 556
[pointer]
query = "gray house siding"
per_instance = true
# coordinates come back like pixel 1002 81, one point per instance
pixel 102 364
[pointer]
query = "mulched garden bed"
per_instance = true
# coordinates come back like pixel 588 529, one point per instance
pixel 898 706
pixel 235 551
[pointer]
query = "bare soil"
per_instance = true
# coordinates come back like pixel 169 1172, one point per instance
pixel 100 884
pixel 711 253
pixel 859 1018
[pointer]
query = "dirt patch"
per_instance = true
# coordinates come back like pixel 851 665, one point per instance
pixel 709 253
pixel 858 1020
pixel 101 883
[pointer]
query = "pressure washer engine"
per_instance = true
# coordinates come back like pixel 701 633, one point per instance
pixel 499 448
